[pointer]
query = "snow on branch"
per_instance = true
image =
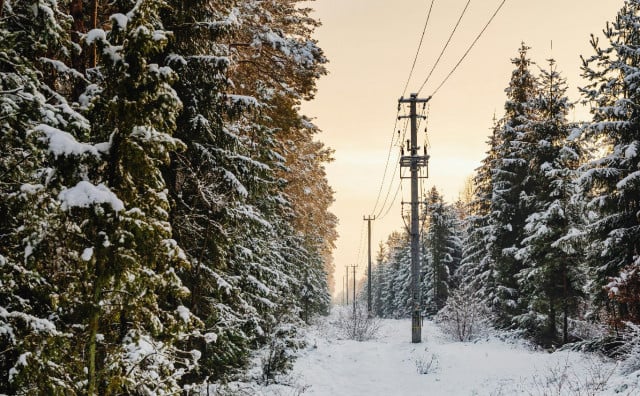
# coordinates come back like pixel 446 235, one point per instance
pixel 34 323
pixel 248 101
pixel 61 68
pixel 631 178
pixel 85 194
pixel 63 143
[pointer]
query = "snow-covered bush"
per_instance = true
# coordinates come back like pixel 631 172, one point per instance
pixel 464 317
pixel 586 329
pixel 630 349
pixel 279 355
pixel 357 326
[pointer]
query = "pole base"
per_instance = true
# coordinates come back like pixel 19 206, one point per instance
pixel 416 327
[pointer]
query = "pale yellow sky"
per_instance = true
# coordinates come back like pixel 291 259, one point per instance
pixel 371 45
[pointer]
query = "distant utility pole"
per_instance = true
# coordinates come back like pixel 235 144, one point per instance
pixel 346 269
pixel 414 162
pixel 354 290
pixel 369 309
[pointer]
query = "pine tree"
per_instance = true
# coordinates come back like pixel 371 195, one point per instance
pixel 511 186
pixel 112 215
pixel 443 250
pixel 475 272
pixel 551 279
pixel 135 315
pixel 258 258
pixel 38 273
pixel 612 180
pixel 392 290
pixel 377 286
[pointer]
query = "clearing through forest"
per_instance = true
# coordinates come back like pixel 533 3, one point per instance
pixel 391 365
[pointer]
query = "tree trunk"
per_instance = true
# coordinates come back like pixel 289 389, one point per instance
pixel 94 322
pixel 77 12
pixel 565 307
pixel 93 331
pixel 94 24
pixel 77 59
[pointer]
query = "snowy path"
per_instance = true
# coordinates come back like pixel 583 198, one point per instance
pixel 389 366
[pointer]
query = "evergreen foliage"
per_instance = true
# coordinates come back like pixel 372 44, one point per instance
pixel 511 185
pixel 166 202
pixel 442 245
pixel 612 178
pixel 552 277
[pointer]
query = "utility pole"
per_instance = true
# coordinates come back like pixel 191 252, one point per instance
pixel 414 162
pixel 369 309
pixel 346 269
pixel 354 290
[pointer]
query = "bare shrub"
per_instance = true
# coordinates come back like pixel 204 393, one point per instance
pixel 563 379
pixel 427 364
pixel 630 349
pixel 586 330
pixel 464 317
pixel 357 326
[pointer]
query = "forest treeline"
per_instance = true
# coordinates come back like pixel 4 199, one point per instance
pixel 547 233
pixel 163 200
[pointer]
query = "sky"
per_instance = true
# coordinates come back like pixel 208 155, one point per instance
pixel 371 45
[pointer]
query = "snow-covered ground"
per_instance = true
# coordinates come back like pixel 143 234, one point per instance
pixel 391 365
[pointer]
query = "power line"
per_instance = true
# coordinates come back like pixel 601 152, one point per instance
pixel 470 47
pixel 386 166
pixel 360 242
pixel 413 66
pixel 446 45
pixel 386 198
pixel 395 196
pixel 395 171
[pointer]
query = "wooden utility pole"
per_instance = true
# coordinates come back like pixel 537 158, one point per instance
pixel 346 270
pixel 369 309
pixel 414 162
pixel 354 290
pixel 344 293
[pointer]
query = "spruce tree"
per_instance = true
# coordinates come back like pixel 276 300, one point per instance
pixel 37 271
pixel 135 315
pixel 551 279
pixel 442 248
pixel 612 180
pixel 511 185
pixel 475 272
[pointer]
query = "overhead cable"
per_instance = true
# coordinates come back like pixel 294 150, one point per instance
pixel 464 11
pixel 415 59
pixel 470 47
pixel 386 166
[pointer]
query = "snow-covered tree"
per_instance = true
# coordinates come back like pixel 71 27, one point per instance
pixel 395 275
pixel 552 277
pixel 134 312
pixel 612 180
pixel 475 272
pixel 442 247
pixel 511 186
pixel 378 273
pixel 36 127
pixel 250 197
